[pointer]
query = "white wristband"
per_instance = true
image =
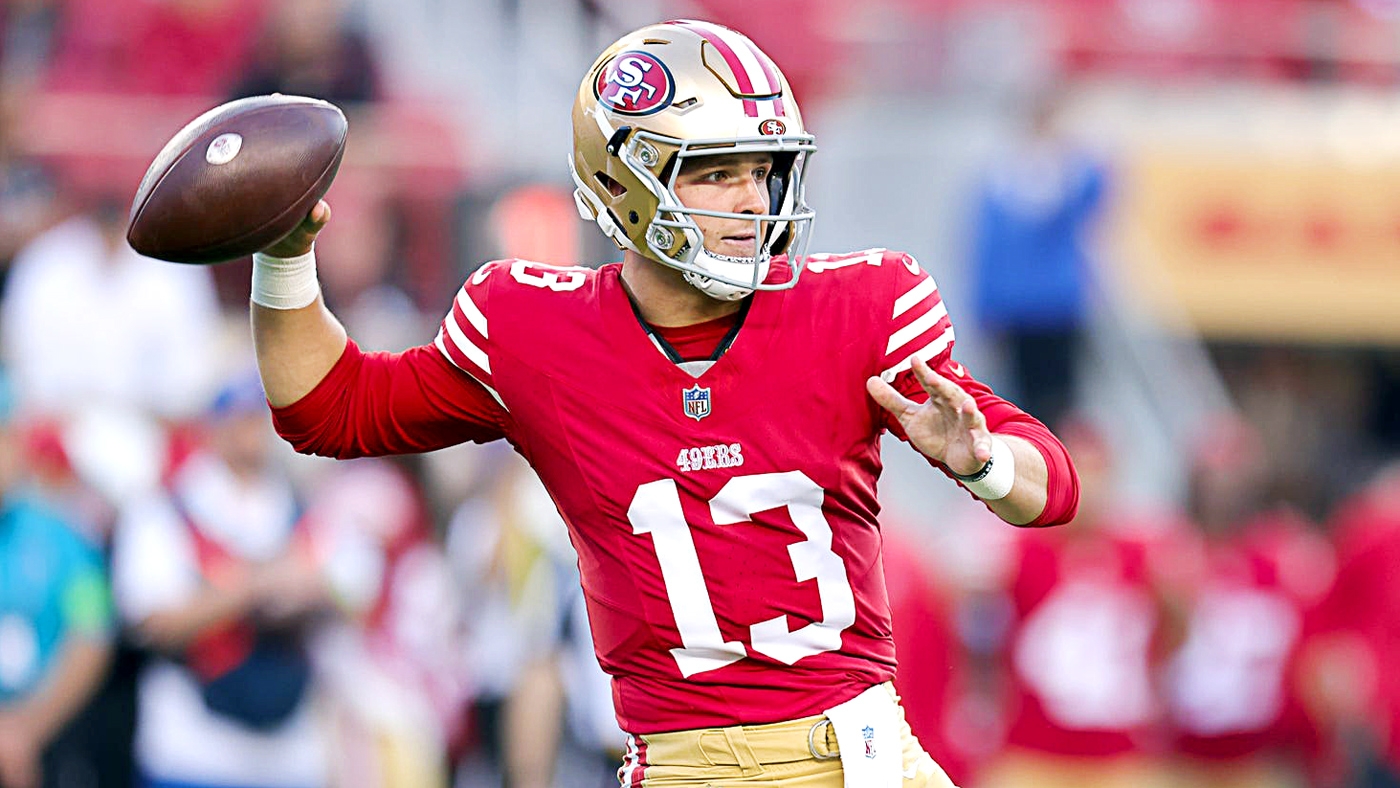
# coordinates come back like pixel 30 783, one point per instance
pixel 285 282
pixel 996 478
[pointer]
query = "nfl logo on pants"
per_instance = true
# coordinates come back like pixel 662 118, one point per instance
pixel 696 401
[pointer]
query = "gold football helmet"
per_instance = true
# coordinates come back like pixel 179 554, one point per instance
pixel 670 92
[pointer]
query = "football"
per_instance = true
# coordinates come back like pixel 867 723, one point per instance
pixel 237 178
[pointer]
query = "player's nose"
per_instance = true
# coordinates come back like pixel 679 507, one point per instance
pixel 753 196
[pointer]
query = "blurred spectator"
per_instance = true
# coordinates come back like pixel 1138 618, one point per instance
pixel 193 47
pixel 27 195
pixel 363 286
pixel 92 44
pixel 87 322
pixel 526 635
pixel 593 744
pixel 1305 403
pixel 1353 677
pixel 1032 259
pixel 171 47
pixel 26 40
pixel 1088 620
pixel 497 553
pixel 98 740
pixel 394 666
pixel 930 676
pixel 307 48
pixel 56 628
pixel 217 577
pixel 1252 576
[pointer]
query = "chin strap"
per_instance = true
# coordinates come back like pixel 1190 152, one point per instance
pixel 715 289
pixel 728 267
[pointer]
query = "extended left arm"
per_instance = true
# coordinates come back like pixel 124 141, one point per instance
pixel 1006 469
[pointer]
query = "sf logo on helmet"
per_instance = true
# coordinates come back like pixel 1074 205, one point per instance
pixel 772 127
pixel 635 83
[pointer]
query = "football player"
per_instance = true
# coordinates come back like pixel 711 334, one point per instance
pixel 708 428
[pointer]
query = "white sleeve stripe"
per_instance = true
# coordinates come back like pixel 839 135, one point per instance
pixel 472 352
pixel 916 294
pixel 912 331
pixel 473 314
pixel 927 352
pixel 442 347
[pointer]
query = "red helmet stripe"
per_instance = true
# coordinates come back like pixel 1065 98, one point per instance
pixel 741 74
pixel 771 71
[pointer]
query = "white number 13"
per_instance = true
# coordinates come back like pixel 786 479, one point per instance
pixel 656 510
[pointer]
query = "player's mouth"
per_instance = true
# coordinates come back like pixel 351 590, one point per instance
pixel 741 244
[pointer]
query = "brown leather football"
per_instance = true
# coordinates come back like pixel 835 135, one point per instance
pixel 237 178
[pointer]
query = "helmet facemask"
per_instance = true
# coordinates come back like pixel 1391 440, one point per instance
pixel 675 239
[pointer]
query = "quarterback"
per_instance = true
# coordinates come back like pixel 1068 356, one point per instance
pixel 707 426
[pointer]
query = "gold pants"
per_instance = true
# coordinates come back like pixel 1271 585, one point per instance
pixel 799 753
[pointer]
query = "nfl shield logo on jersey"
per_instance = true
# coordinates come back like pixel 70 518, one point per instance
pixel 868 734
pixel 696 401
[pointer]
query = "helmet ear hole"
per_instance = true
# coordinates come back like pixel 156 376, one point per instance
pixel 780 244
pixel 779 181
pixel 609 184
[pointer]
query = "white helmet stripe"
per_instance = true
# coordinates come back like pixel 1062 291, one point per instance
pixel 745 60
pixel 743 50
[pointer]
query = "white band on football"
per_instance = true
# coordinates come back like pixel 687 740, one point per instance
pixel 285 282
pixel 996 478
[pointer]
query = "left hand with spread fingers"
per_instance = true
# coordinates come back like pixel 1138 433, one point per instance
pixel 948 428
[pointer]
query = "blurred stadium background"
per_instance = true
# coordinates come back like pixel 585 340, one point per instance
pixel 1169 228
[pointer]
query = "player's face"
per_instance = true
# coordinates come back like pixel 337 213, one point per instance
pixel 733 184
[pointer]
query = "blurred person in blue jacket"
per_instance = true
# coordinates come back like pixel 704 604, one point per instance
pixel 56 630
pixel 1032 261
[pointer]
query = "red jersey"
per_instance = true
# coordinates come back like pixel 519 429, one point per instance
pixel 725 520
pixel 1365 600
pixel 1232 684
pixel 1081 649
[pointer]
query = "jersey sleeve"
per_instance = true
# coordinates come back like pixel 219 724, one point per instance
pixel 920 327
pixel 373 404
pixel 464 338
